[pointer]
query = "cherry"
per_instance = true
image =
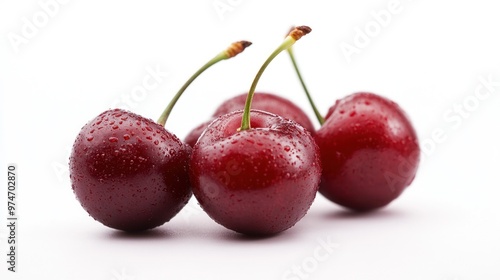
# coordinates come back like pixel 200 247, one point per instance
pixel 130 173
pixel 255 172
pixel 369 150
pixel 262 101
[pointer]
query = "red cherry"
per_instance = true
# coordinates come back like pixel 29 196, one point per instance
pixel 255 172
pixel 369 149
pixel 369 152
pixel 128 172
pixel 257 181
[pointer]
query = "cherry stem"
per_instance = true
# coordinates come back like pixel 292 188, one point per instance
pixel 320 118
pixel 233 50
pixel 292 37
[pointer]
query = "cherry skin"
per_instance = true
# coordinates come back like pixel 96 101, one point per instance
pixel 369 152
pixel 195 133
pixel 128 172
pixel 261 101
pixel 258 181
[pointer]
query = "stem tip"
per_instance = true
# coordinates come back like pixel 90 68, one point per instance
pixel 237 47
pixel 299 31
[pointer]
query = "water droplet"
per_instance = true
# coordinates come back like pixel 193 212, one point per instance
pixel 149 137
pixel 113 139
pixel 287 148
pixel 115 127
pixel 149 128
pixel 352 114
pixel 90 138
pixel 126 136
pixel 156 142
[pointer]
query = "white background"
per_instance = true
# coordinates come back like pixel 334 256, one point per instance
pixel 429 57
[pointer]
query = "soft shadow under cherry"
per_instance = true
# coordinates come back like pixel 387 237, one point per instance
pixel 344 214
pixel 232 236
pixel 140 235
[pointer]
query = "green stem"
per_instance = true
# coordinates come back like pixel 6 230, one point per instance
pixel 320 118
pixel 245 121
pixel 164 116
pixel 233 50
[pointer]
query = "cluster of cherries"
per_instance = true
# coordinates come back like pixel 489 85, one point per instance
pixel 255 171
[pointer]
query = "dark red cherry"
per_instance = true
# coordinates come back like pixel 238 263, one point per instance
pixel 369 152
pixel 258 181
pixel 369 149
pixel 128 172
pixel 255 172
